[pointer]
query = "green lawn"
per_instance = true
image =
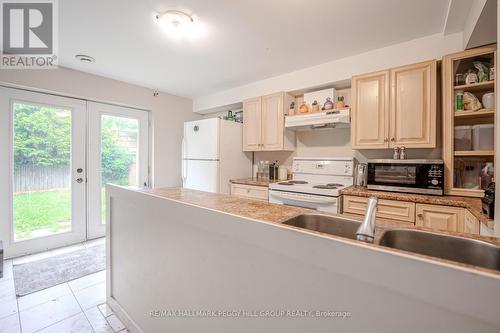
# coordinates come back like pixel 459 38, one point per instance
pixel 48 212
pixel 41 211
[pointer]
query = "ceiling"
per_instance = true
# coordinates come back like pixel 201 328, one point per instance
pixel 243 41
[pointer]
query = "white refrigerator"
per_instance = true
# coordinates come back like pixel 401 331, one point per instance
pixel 212 155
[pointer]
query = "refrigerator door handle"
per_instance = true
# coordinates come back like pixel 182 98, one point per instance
pixel 184 170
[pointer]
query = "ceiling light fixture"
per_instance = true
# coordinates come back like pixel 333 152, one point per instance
pixel 178 24
pixel 85 58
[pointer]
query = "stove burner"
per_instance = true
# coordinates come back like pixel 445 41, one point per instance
pixel 298 182
pixel 326 187
pixel 334 184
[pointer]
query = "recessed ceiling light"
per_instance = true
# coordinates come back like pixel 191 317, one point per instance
pixel 85 58
pixel 178 23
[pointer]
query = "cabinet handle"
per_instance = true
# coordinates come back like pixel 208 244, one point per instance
pixel 392 139
pixel 420 216
pixel 386 139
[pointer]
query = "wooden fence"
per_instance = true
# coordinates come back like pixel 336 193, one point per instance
pixel 29 178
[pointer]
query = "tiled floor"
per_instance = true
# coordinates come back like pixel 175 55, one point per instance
pixel 77 306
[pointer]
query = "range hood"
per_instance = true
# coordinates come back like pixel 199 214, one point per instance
pixel 338 118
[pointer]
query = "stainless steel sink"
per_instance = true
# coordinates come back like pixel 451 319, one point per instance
pixel 460 249
pixel 333 225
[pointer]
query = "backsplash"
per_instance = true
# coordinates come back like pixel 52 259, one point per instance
pixel 336 143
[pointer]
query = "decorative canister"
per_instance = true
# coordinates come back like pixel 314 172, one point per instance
pixel 489 100
pixel 328 104
pixel 315 106
pixel 303 107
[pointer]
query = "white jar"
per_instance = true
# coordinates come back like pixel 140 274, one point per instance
pixel 489 100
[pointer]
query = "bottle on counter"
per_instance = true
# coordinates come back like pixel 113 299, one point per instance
pixel 265 174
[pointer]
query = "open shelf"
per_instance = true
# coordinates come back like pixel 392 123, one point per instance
pixel 483 116
pixel 474 153
pixel 472 114
pixel 480 86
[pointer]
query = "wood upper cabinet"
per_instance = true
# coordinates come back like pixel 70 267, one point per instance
pixel 395 107
pixel 370 111
pixel 440 217
pixel 252 117
pixel 273 119
pixel 413 105
pixel 264 124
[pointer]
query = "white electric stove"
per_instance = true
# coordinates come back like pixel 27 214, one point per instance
pixel 316 183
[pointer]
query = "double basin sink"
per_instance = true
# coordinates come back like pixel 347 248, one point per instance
pixel 454 248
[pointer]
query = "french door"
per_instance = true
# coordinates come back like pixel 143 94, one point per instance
pixel 56 154
pixel 42 171
pixel 117 154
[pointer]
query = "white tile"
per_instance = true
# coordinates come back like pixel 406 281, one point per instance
pixel 7 288
pixel 10 324
pixel 8 306
pixel 105 310
pixel 75 324
pixel 91 296
pixel 49 313
pixel 67 249
pixel 87 281
pixel 31 258
pixel 43 296
pixel 8 302
pixel 95 242
pixel 97 320
pixel 7 270
pixel 115 323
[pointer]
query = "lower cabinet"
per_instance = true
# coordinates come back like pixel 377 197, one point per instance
pixel 402 211
pixel 440 217
pixel 430 216
pixel 250 191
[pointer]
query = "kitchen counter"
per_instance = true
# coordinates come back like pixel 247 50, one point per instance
pixel 276 214
pixel 254 181
pixel 471 204
pixel 174 249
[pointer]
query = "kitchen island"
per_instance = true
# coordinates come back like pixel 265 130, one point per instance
pixel 189 261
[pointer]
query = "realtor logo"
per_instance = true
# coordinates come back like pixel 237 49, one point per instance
pixel 28 38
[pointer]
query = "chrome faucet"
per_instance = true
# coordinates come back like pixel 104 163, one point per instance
pixel 366 231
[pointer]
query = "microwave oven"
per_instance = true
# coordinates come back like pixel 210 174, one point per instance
pixel 408 176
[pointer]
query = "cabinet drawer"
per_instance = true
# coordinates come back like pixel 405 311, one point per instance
pixel 249 191
pixel 386 209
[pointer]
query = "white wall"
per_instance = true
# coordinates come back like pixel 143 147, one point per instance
pixel 430 47
pixel 168 111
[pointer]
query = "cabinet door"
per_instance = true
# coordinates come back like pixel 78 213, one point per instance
pixel 370 111
pixel 249 191
pixel 252 119
pixel 413 106
pixel 273 120
pixel 471 223
pixel 440 217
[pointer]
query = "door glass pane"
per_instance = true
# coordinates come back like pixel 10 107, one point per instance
pixel 42 176
pixel 119 154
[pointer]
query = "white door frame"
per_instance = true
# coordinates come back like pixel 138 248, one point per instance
pixel 78 143
pixel 95 227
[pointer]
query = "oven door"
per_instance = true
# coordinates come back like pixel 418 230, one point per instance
pixel 405 177
pixel 317 202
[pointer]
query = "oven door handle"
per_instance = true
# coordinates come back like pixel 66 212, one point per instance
pixel 284 195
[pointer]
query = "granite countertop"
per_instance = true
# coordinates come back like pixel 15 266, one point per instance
pixel 474 205
pixel 254 181
pixel 277 214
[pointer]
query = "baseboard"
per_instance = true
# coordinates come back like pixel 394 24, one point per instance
pixel 123 316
